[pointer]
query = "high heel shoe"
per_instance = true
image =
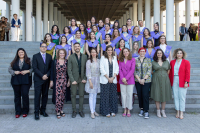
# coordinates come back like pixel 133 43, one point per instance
pixel 24 115
pixel 17 116
pixel 158 113
pixel 163 113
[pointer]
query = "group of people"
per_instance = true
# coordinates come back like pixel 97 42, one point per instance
pixel 5 27
pixel 191 31
pixel 117 62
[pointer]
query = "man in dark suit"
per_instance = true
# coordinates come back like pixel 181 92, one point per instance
pixel 41 67
pixel 77 74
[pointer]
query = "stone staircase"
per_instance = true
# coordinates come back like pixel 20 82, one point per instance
pixel 8 51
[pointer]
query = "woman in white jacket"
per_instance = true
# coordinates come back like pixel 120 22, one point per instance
pixel 109 69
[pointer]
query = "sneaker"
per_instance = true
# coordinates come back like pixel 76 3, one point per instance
pixel 113 114
pixel 141 113
pixel 146 115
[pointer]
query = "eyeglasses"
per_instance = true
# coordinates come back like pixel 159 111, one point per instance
pixel 44 46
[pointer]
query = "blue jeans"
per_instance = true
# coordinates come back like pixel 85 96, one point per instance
pixel 179 95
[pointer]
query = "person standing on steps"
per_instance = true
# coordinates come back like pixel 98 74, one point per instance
pixel 21 81
pixel 42 70
pixel 77 75
pixel 179 77
pixel 93 82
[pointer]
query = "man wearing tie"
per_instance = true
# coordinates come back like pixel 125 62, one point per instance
pixel 77 74
pixel 41 67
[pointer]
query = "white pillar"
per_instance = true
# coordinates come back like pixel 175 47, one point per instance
pixel 127 15
pixel 124 18
pixel 140 9
pixel 15 7
pixel 45 16
pixel 131 13
pixel 120 22
pixel 59 19
pixel 170 20
pixel 157 11
pixel 177 21
pixel 187 13
pixel 55 15
pixel 8 11
pixel 148 14
pixel 50 15
pixel 34 29
pixel 24 25
pixel 29 21
pixel 135 13
pixel 161 20
pixel 151 24
pixel 67 22
pixel 38 19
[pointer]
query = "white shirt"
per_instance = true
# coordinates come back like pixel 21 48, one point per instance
pixel 141 28
pixel 163 47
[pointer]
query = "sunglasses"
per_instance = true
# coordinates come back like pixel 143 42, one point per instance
pixel 44 46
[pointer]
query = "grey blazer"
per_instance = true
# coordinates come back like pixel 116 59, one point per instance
pixel 73 69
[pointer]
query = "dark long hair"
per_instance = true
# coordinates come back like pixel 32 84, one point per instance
pixel 149 40
pixel 94 18
pixel 57 32
pixel 89 37
pixel 105 54
pixel 158 26
pixel 91 54
pixel 155 57
pixel 90 23
pixel 160 38
pixel 116 21
pixel 61 39
pixel 67 28
pixel 45 40
pixel 126 28
pixel 75 21
pixel 148 31
pixel 26 59
pixel 85 31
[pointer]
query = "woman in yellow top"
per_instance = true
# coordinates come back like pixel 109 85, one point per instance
pixel 50 45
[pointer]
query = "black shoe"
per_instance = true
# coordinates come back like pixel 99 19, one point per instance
pixel 37 116
pixel 73 114
pixel 44 113
pixel 82 114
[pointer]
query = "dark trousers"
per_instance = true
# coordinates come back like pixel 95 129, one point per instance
pixel 81 89
pixel 181 37
pixel 41 89
pixel 21 91
pixel 7 36
pixel 143 95
pixel 193 37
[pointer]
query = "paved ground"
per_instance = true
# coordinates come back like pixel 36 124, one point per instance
pixel 118 124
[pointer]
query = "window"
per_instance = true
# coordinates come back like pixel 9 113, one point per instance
pixel 196 13
pixel 20 13
pixel 0 12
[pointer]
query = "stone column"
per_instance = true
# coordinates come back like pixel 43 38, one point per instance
pixel 170 20
pixel 177 21
pixel 45 16
pixel 38 19
pixel 140 9
pixel 135 14
pixel 156 11
pixel 148 14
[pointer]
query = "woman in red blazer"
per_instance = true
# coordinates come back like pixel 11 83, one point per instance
pixel 179 77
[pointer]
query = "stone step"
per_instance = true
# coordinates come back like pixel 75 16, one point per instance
pixel 169 108
pixel 9 100
pixel 8 91
pixel 6 83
